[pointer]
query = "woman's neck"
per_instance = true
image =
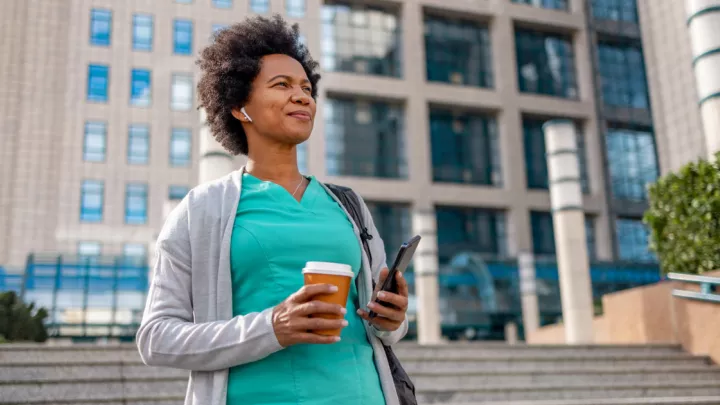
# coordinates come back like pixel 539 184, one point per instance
pixel 276 165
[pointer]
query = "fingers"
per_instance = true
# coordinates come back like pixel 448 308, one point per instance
pixel 401 302
pixel 390 313
pixel 314 338
pixel 381 278
pixel 379 322
pixel 402 286
pixel 319 307
pixel 306 293
pixel 306 324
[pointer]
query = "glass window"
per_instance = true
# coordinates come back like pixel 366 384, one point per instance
pixel 97 87
pixel 136 201
pixel 543 234
pixel 100 27
pixel 140 88
pixel 177 192
pixel 222 3
pixel 91 200
pixel 632 239
pixel 89 248
pixel 631 162
pixel 551 4
pixel 295 8
pixel 458 52
pixel 622 72
pixel 184 1
pixel 95 144
pixel 142 32
pixel 364 138
pixel 138 144
pixel 536 168
pixel 135 250
pixel 360 39
pixel 465 148
pixel 302 157
pixel 475 230
pixel 260 6
pixel 181 97
pixel 180 144
pixel 393 224
pixel 545 63
pixel 616 10
pixel 182 37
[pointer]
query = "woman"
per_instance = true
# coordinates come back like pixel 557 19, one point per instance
pixel 227 300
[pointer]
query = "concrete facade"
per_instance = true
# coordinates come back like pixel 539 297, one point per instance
pixel 43 82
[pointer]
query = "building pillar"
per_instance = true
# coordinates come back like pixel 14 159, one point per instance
pixel 569 223
pixel 426 277
pixel 215 161
pixel 703 23
pixel 528 293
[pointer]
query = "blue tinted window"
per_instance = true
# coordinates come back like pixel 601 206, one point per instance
pixel 360 39
pixel 295 8
pixel 616 10
pixel 184 1
pixel 181 93
pixel 458 52
pixel 545 63
pixel 97 86
pixel 632 239
pixel 543 234
pixel 590 237
pixel 364 138
pixel 100 27
pixel 95 143
pixel 177 192
pixel 92 194
pixel 140 87
pixel 135 250
pixel 536 168
pixel 622 72
pixel 182 37
pixel 89 248
pixel 473 230
pixel 394 225
pixel 142 32
pixel 222 3
pixel 464 148
pixel 138 144
pixel 631 162
pixel 136 202
pixel 180 144
pixel 551 4
pixel 260 6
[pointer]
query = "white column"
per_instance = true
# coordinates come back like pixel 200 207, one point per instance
pixel 528 292
pixel 426 277
pixel 704 27
pixel 569 223
pixel 215 161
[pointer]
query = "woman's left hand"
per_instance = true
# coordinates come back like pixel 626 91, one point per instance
pixel 389 318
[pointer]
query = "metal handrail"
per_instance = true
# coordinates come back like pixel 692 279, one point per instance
pixel 707 284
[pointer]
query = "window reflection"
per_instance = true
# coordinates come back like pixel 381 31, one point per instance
pixel 393 224
pixel 623 76
pixel 545 63
pixel 458 52
pixel 632 238
pixel 464 148
pixel 616 10
pixel 632 162
pixel 476 230
pixel 551 4
pixel 360 39
pixel 364 138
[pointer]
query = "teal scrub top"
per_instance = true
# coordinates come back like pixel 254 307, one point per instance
pixel 273 237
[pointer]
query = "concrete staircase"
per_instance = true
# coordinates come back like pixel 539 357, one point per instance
pixel 458 374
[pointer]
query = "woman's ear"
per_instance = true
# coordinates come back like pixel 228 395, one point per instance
pixel 241 115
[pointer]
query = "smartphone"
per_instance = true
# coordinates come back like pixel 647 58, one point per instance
pixel 402 260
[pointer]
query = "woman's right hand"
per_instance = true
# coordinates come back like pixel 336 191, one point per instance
pixel 292 319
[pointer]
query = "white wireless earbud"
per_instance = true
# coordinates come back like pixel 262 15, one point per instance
pixel 242 110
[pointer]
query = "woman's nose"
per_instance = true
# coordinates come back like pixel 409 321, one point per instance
pixel 300 98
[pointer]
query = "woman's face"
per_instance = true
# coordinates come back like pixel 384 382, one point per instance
pixel 281 106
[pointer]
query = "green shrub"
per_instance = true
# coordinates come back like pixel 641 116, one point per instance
pixel 684 218
pixel 20 322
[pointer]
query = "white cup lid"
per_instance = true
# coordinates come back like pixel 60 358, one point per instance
pixel 338 269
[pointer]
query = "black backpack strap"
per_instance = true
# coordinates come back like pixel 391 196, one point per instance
pixel 351 202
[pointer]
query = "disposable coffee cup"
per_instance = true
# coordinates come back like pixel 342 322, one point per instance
pixel 339 275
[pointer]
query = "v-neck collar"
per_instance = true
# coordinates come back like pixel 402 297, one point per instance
pixel 280 194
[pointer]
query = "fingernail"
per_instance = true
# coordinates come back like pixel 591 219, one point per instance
pixel 381 295
pixel 343 311
pixel 400 274
pixel 344 323
pixel 333 288
pixel 359 312
pixel 336 339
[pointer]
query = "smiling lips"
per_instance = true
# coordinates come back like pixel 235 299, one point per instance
pixel 301 115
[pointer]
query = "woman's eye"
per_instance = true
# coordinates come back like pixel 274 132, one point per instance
pixel 283 84
pixel 308 89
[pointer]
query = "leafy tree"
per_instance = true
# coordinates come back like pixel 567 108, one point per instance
pixel 684 218
pixel 20 322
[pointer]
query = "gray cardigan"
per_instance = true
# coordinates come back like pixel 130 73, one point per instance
pixel 188 322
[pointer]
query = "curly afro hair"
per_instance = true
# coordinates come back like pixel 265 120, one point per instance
pixel 231 63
